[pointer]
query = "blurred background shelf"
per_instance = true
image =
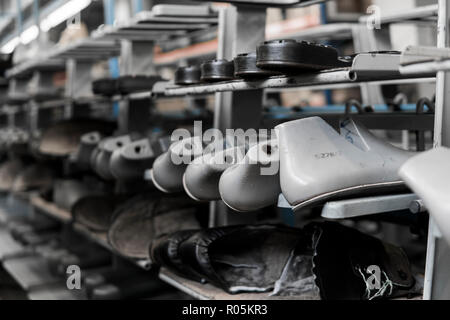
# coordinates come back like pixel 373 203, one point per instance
pixel 51 209
pixel 30 271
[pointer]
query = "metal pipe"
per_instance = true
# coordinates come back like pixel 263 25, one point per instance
pixel 19 17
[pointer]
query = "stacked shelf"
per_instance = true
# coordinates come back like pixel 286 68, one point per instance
pixel 161 26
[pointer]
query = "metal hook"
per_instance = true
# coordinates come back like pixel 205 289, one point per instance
pixel 420 109
pixel 353 103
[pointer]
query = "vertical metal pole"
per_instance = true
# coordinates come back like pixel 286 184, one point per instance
pixel 33 117
pixel 19 20
pixel 437 271
pixel 36 14
pixel 70 71
pixel 114 70
pixel 241 29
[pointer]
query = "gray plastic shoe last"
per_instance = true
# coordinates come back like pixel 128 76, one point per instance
pixel 168 168
pixel 317 163
pixel 105 151
pixel 201 178
pixel 131 161
pixel 254 182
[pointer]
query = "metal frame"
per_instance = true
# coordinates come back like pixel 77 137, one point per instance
pixel 238 103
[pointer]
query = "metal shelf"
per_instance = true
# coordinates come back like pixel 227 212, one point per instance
pixel 367 206
pixel 87 49
pixel 359 207
pixel 172 21
pixel 209 292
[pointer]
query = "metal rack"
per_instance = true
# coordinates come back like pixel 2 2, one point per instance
pixel 241 28
pixel 365 73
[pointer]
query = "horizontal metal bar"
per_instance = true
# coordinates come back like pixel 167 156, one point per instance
pixel 431 66
pixel 336 76
pixel 97 48
pixel 276 3
pixel 419 13
pixel 323 80
pixel 375 121
pixel 146 17
pixel 164 26
pixel 367 206
pixel 331 31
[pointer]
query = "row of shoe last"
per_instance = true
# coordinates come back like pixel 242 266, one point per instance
pixel 309 162
pixel 222 171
